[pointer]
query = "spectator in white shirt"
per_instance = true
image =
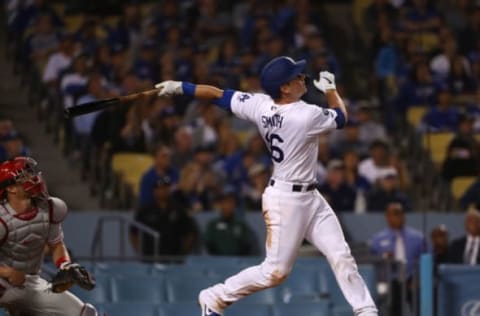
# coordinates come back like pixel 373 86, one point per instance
pixel 378 164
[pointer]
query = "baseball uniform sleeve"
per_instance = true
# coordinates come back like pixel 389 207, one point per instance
pixel 323 119
pixel 245 105
pixel 58 212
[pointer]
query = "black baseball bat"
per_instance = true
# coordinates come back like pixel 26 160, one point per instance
pixel 94 106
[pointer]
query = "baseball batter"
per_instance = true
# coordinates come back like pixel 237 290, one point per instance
pixel 29 221
pixel 292 208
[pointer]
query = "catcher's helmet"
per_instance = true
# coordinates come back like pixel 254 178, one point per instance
pixel 279 71
pixel 22 170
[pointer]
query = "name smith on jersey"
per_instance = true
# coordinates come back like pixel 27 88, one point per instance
pixel 272 121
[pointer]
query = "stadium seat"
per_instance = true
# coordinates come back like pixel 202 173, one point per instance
pixel 341 311
pixel 131 167
pixel 3 312
pixel 319 308
pixel 415 115
pixel 460 185
pixel 138 289
pixel 212 260
pixel 128 309
pixel 437 144
pixel 73 22
pixel 266 296
pixel 181 289
pixel 123 268
pixel 243 309
pixel 102 292
pixel 179 309
pixel 300 283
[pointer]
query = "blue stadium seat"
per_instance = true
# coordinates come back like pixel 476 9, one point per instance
pixel 123 268
pixel 319 308
pixel 212 260
pixel 302 282
pixel 102 292
pixel 179 309
pixel 266 296
pixel 183 270
pixel 138 289
pixel 3 312
pixel 181 289
pixel 243 309
pixel 342 311
pixel 128 309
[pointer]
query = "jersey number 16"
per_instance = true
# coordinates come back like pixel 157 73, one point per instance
pixel 275 152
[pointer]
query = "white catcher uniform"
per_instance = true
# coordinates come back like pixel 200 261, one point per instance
pixel 292 208
pixel 22 241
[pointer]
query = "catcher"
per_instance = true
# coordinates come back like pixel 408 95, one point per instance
pixel 30 220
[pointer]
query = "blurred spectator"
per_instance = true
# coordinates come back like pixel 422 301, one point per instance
pixel 352 177
pixel 42 42
pixel 421 17
pixel 420 90
pixel 227 235
pixel 73 83
pixel 145 66
pixel 439 238
pixel 369 129
pixel 211 24
pixel 204 132
pixel 386 192
pixel 441 64
pixel 178 231
pixel 162 167
pixel 474 110
pixel 465 250
pixel 168 121
pixel 374 167
pixel 127 31
pixel 403 245
pixel 443 117
pixel 375 10
pixel 13 145
pixel 460 82
pixel 339 194
pixel 463 152
pixel 131 137
pixel 183 147
pixel 258 176
pixel 471 197
pixel 83 125
pixel 348 139
pixel 59 61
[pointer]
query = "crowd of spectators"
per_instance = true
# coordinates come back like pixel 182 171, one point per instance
pixel 426 54
pixel 200 148
pixel 11 142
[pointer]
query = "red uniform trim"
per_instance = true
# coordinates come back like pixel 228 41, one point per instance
pixel 28 215
pixel 6 231
pixel 61 260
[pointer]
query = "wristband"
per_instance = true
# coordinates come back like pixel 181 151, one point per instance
pixel 61 261
pixel 189 88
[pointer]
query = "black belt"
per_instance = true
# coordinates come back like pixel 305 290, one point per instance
pixel 298 187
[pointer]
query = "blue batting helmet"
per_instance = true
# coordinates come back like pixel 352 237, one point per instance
pixel 279 71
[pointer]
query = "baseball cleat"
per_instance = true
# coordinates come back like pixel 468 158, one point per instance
pixel 206 311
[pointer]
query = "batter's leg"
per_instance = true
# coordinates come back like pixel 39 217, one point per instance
pixel 326 234
pixel 285 231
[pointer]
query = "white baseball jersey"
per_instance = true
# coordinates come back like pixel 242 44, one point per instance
pixel 289 130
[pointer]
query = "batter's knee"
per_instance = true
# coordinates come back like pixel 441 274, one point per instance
pixel 344 265
pixel 88 310
pixel 275 275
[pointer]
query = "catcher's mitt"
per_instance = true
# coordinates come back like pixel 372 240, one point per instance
pixel 71 274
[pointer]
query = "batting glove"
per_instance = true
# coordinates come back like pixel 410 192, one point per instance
pixel 169 88
pixel 325 82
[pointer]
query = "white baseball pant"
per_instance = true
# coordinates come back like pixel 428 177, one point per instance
pixel 35 297
pixel 290 217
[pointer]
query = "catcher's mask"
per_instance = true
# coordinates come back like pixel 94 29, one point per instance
pixel 23 171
